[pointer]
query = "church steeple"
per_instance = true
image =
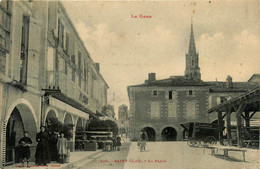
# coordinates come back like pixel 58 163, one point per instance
pixel 192 47
pixel 192 59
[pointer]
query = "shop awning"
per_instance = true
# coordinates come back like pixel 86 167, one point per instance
pixel 62 97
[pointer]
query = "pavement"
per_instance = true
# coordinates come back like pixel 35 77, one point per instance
pixel 161 155
pixel 109 160
pixel 76 158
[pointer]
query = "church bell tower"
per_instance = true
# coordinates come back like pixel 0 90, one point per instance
pixel 192 60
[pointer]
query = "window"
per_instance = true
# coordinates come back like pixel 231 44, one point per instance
pixel 172 109
pixel 67 42
pixel 155 109
pixel 85 76
pixel 190 92
pixel 191 109
pixel 223 99
pixel 73 74
pixel 155 92
pixel 218 100
pixel 170 95
pixel 66 68
pixel 79 68
pixel 73 59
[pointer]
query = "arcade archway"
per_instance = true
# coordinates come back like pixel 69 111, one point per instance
pixel 150 132
pixel 169 134
pixel 21 119
pixel 79 124
pixel 51 114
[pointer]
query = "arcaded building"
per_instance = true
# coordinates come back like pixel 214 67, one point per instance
pixel 160 106
pixel 45 71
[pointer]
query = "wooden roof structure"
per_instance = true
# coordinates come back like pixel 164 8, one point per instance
pixel 245 106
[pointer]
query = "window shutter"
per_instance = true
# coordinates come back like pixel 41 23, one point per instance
pixel 33 51
pixel 71 45
pixel 64 39
pixel 52 20
pixel 59 30
pixel 67 41
pixel 166 95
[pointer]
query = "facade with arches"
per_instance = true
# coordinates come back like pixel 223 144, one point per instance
pixel 160 106
pixel 45 72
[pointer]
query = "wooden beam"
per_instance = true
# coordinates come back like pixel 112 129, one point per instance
pixel 240 109
pixel 252 114
pixel 243 116
pixel 224 116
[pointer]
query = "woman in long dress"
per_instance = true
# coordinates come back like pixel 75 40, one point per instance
pixel 42 149
pixel 62 145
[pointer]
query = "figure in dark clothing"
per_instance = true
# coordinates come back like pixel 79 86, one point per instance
pixel 118 143
pixel 25 153
pixel 143 139
pixel 114 143
pixel 42 149
pixel 53 150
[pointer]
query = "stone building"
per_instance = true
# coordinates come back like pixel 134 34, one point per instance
pixel 123 121
pixel 45 71
pixel 160 106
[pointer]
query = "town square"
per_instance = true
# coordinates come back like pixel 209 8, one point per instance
pixel 129 85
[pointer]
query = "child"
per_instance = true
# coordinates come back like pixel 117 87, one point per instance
pixel 25 143
pixel 62 145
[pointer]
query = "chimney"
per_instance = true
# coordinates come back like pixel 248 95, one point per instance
pixel 97 66
pixel 151 77
pixel 229 82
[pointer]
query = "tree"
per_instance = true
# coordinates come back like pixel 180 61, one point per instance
pixel 56 126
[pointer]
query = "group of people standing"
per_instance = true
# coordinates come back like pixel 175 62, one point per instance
pixel 116 143
pixel 50 147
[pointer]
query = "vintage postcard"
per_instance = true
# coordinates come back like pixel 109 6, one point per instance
pixel 129 84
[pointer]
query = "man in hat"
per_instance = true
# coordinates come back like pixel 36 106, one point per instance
pixel 42 149
pixel 143 139
pixel 25 143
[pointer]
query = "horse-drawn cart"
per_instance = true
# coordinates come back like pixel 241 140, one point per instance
pixel 202 134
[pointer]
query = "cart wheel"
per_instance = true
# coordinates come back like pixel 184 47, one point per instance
pixel 196 143
pixel 209 140
pixel 190 143
pixel 193 143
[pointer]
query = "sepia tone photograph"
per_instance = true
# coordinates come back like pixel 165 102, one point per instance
pixel 129 84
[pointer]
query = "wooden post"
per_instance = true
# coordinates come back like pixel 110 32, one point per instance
pixel 247 119
pixel 239 111
pixel 220 127
pixel 228 119
pixel 239 131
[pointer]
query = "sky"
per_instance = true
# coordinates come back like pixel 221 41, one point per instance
pixel 227 38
